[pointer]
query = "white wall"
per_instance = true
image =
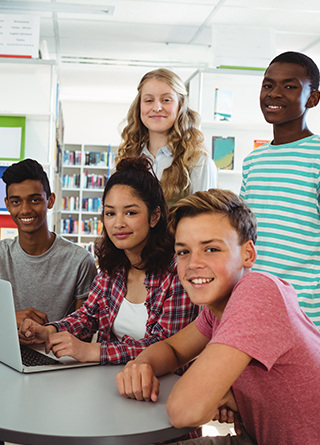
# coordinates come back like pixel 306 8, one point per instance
pixel 93 123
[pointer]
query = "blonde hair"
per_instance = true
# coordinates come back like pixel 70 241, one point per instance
pixel 241 217
pixel 184 139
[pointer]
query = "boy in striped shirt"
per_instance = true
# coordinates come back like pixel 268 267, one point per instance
pixel 281 180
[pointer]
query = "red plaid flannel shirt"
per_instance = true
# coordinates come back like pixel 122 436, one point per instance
pixel 168 305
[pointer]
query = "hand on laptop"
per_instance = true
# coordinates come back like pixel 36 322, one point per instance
pixel 33 314
pixel 31 332
pixel 65 344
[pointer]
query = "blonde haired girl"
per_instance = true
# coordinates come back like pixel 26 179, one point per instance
pixel 163 127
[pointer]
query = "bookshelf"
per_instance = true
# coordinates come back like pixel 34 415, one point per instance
pixel 29 91
pixel 247 123
pixel 85 170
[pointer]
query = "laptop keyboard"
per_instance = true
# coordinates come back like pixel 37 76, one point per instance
pixel 30 357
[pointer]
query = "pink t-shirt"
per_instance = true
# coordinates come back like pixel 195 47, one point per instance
pixel 278 394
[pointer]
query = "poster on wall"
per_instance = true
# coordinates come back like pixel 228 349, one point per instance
pixel 2 190
pixel 12 139
pixel 19 35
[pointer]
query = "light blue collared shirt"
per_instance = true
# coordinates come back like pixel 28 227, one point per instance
pixel 203 175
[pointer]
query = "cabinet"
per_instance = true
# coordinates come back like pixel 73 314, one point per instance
pixel 85 170
pixel 28 88
pixel 247 123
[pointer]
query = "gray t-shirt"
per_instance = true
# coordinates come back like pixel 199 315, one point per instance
pixel 49 282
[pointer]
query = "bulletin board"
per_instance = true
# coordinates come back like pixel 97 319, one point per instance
pixel 2 190
pixel 12 138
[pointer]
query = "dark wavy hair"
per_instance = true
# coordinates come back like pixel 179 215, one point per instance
pixel 303 60
pixel 23 170
pixel 156 256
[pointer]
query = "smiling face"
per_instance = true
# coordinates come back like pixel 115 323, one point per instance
pixel 28 204
pixel 210 259
pixel 286 94
pixel 159 106
pixel 127 222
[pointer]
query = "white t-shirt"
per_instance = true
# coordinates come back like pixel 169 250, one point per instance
pixel 131 320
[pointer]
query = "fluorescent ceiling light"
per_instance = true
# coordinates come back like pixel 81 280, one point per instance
pixel 72 8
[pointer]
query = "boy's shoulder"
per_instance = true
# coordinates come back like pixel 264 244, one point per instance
pixel 265 278
pixel 8 244
pixel 302 147
pixel 66 245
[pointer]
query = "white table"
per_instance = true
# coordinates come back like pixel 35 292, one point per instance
pixel 79 406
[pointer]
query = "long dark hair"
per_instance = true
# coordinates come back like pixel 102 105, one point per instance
pixel 136 172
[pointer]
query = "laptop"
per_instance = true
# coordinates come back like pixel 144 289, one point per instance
pixel 18 357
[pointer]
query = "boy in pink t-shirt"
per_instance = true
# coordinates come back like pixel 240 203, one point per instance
pixel 256 352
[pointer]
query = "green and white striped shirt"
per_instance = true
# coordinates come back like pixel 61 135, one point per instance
pixel 281 185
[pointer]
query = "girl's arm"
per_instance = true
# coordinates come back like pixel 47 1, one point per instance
pixel 172 311
pixel 65 344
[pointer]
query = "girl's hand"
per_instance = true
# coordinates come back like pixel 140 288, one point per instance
pixel 31 332
pixel 65 344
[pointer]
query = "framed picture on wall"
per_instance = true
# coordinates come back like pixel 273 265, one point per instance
pixel 2 190
pixel 12 139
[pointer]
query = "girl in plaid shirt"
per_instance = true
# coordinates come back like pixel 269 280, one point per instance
pixel 137 298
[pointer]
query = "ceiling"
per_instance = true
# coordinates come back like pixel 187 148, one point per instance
pixel 102 48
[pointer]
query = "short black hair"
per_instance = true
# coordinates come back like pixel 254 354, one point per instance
pixel 23 170
pixel 303 60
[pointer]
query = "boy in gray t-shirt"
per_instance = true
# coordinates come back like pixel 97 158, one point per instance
pixel 49 275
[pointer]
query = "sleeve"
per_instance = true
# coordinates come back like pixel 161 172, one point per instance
pixel 204 175
pixel 206 322
pixel 256 320
pixel 168 316
pixel 86 273
pixel 245 170
pixel 85 321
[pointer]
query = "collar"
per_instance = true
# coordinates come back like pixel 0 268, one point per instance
pixel 165 150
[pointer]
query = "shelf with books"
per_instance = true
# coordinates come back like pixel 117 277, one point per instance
pixel 243 122
pixel 85 171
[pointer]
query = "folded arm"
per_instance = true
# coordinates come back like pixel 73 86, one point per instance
pixel 195 398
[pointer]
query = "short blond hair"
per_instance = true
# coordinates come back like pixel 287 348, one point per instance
pixel 241 217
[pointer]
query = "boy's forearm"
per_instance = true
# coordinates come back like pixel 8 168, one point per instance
pixel 160 356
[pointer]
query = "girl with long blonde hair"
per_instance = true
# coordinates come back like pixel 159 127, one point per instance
pixel 161 125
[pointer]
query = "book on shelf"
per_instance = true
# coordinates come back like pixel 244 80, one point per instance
pixel 93 181
pixel 71 157
pixel 223 152
pixel 69 226
pixel 258 142
pixel 92 226
pixel 100 158
pixel 70 203
pixel 71 181
pixel 92 204
pixel 88 246
pixel 222 104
